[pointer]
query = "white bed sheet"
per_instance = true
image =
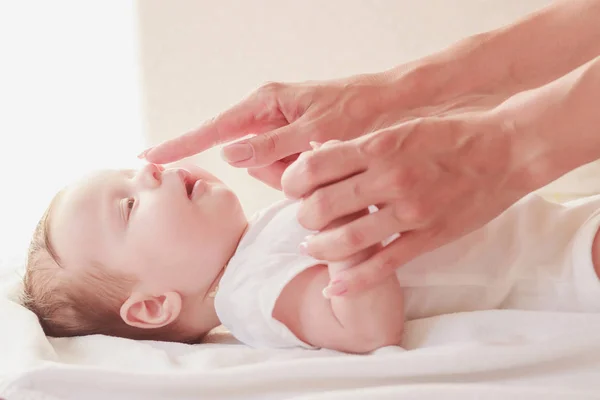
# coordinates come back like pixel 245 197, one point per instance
pixel 480 355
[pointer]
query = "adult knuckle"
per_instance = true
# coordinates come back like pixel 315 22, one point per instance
pixel 312 167
pixel 352 238
pixel 270 142
pixel 379 144
pixel 402 180
pixel 413 212
pixel 270 88
pixel 322 204
pixel 270 94
pixel 418 212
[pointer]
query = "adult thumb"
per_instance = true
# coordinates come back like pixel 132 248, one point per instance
pixel 267 148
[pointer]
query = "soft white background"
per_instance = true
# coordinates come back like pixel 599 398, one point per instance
pixel 69 103
pixel 88 84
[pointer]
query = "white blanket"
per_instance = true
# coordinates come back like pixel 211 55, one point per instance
pixel 479 355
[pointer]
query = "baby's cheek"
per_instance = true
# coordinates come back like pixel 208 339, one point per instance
pixel 171 220
pixel 158 237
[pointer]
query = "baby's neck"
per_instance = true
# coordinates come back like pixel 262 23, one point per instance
pixel 214 289
pixel 206 303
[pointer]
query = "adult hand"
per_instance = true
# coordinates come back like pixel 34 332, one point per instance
pixel 524 55
pixel 433 180
pixel 286 117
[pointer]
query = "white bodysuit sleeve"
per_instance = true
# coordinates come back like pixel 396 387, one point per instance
pixel 534 256
pixel 552 249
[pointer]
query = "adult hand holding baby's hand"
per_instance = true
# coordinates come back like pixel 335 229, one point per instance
pixel 433 180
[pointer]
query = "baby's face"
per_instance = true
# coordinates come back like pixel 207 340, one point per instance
pixel 172 229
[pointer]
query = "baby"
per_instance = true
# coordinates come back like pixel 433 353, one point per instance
pixel 168 255
pixel 143 255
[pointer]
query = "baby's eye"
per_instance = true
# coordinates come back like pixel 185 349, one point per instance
pixel 127 206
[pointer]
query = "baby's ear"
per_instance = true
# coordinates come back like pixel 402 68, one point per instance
pixel 147 312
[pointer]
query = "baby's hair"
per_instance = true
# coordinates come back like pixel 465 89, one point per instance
pixel 71 303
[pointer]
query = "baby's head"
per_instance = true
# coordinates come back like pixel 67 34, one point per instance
pixel 133 254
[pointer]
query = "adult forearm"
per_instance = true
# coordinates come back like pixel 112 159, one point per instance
pixel 528 53
pixel 556 127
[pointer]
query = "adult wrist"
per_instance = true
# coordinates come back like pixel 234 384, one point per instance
pixel 543 147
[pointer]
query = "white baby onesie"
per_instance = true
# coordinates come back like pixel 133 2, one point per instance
pixel 534 256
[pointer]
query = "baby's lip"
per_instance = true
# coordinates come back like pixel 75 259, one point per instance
pixel 199 173
pixel 187 180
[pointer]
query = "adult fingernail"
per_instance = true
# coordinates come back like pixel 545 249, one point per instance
pixel 314 145
pixel 303 248
pixel 238 152
pixel 335 288
pixel 144 153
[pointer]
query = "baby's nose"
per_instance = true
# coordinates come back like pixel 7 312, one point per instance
pixel 153 174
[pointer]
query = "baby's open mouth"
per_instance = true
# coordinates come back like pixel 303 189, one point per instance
pixel 188 181
pixel 194 185
pixel 189 186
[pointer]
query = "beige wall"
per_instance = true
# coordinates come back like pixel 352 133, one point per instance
pixel 200 56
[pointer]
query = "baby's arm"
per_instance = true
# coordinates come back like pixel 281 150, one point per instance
pixel 355 324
